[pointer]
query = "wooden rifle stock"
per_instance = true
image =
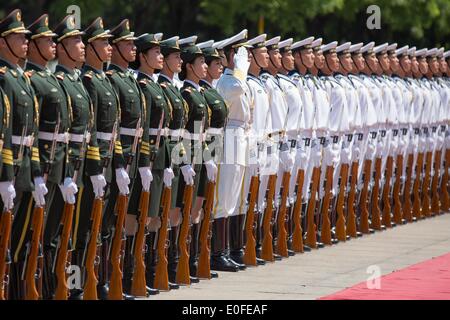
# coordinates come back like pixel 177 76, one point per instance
pixel 297 234
pixel 5 234
pixel 204 260
pixel 267 245
pixel 445 197
pixel 325 232
pixel 115 284
pixel 386 193
pixel 183 273
pixel 407 202
pixel 417 206
pixel 426 201
pixel 398 212
pixel 341 233
pixel 351 215
pixel 161 281
pixel 37 223
pixel 90 285
pixel 281 247
pixel 139 284
pixel 311 236
pixel 364 199
pixel 250 244
pixel 376 212
pixel 62 289
pixel 435 200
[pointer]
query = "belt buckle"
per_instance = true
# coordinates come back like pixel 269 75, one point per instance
pixel 307 142
pixel 416 131
pixel 66 137
pixel 260 147
pixel 395 131
pixel 293 143
pixel 349 137
pixel 405 131
pixel 374 135
pixel 335 139
pixel 383 133
pixel 322 140
pixel 442 128
pixel 434 129
pixel 360 136
pixel 425 130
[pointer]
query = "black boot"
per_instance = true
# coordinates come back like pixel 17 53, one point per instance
pixel 150 263
pixel 289 225
pixel 103 272
pixel 77 260
pixel 276 256
pixel 235 228
pixel 193 254
pixel 219 260
pixel 172 254
pixel 258 238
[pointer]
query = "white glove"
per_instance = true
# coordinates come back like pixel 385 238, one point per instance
pixel 168 177
pixel 287 160
pixel 241 62
pixel 301 159
pixel 40 190
pixel 346 156
pixel 211 170
pixel 98 184
pixel 188 174
pixel 122 180
pixel 146 177
pixel 68 190
pixel 8 193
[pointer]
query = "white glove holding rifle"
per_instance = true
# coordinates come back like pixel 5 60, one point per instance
pixel 146 177
pixel 69 189
pixel 168 177
pixel 40 190
pixel 211 170
pixel 122 180
pixel 98 184
pixel 8 193
pixel 188 174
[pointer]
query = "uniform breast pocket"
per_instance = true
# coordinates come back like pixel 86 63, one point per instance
pixel 24 110
pixel 51 109
pixel 107 109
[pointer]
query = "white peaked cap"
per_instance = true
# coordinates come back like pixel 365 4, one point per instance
pixel 412 51
pixel 158 36
pixel 421 52
pixel 440 52
pixel 188 40
pixel 392 47
pixel 355 48
pixel 273 42
pixel 236 38
pixel 261 39
pixel 380 48
pixel 286 43
pixel 402 51
pixel 219 45
pixel 206 44
pixel 447 54
pixel 343 47
pixel 302 43
pixel 316 43
pixel 368 47
pixel 432 52
pixel 329 46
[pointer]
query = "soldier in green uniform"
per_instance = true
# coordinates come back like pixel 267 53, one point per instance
pixel 172 65
pixel 55 109
pixel 218 111
pixel 71 52
pixel 24 118
pixel 107 112
pixel 133 109
pixel 194 69
pixel 158 107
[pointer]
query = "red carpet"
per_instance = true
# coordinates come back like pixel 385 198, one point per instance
pixel 429 280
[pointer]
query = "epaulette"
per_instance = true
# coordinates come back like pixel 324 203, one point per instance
pixel 29 73
pixel 143 81
pixel 3 70
pixel 41 73
pixel 110 72
pixel 163 85
pixel 187 89
pixel 88 75
pixel 60 76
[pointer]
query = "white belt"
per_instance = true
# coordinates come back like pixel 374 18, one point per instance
pixel 60 137
pixel 130 132
pixel 27 141
pixel 79 137
pixel 193 136
pixel 175 133
pixel 154 132
pixel 104 136
pixel 214 131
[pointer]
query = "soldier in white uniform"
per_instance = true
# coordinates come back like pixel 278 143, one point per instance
pixel 233 87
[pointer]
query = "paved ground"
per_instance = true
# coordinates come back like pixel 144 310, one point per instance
pixel 326 271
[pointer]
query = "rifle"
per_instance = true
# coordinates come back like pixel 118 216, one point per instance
pixel 183 272
pixel 435 200
pixel 364 199
pixel 311 237
pixel 116 254
pixel 297 235
pixel 445 197
pixel 376 213
pixel 417 207
pixel 281 248
pixel 90 256
pixel 386 193
pixel 250 245
pixel 64 231
pixel 139 282
pixel 407 203
pixel 426 201
pixel 267 245
pixel 325 231
pixel 340 205
pixel 6 220
pixel 398 218
pixel 33 292
pixel 204 266
pixel 351 215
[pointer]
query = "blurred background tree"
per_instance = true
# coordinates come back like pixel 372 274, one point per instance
pixel 424 23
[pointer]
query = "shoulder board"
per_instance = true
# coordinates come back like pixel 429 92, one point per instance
pixel 187 89
pixel 162 84
pixel 110 72
pixel 3 70
pixel 29 73
pixel 42 74
pixel 60 76
pixel 88 75
pixel 143 81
